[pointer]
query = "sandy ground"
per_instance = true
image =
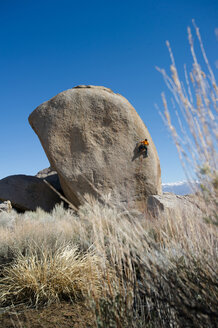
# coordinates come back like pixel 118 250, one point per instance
pixel 62 315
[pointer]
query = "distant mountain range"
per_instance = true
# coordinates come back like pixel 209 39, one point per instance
pixel 178 188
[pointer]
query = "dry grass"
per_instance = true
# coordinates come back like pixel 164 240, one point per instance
pixel 195 105
pixel 146 272
pixel 46 277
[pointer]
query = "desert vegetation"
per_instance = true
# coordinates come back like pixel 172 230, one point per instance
pixel 128 271
pixel 122 267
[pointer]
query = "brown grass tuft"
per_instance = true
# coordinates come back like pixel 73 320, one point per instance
pixel 45 277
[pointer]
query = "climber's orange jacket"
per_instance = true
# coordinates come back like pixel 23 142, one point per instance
pixel 144 142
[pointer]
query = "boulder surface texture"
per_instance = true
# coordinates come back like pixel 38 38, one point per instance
pixel 169 205
pixel 27 193
pixel 90 137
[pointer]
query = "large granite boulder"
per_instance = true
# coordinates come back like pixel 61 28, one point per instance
pixel 27 193
pixel 90 137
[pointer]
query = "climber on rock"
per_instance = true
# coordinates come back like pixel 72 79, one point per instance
pixel 143 147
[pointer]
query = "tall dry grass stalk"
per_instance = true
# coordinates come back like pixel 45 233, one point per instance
pixel 195 104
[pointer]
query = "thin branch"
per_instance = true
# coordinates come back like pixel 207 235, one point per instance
pixel 61 196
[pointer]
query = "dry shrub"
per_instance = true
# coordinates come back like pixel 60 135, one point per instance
pixel 47 277
pixel 32 229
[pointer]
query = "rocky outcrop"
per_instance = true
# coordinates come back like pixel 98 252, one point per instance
pixel 27 193
pixel 171 205
pixel 90 137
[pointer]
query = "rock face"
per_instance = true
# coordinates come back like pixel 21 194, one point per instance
pixel 90 137
pixel 171 205
pixel 27 193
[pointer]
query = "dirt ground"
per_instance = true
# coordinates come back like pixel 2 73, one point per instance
pixel 62 315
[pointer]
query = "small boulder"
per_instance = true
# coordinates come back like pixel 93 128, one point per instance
pixel 27 193
pixel 90 135
pixel 171 205
pixel 5 206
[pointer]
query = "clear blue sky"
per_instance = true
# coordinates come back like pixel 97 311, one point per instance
pixel 52 45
